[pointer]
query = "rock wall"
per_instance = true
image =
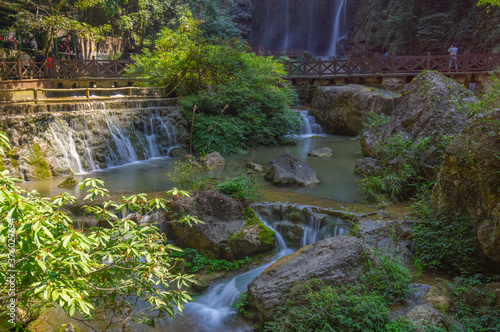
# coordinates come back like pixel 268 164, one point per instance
pixel 61 139
pixel 469 180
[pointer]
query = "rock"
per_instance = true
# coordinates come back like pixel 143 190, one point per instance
pixel 70 182
pixel 285 170
pixel 341 109
pixel 468 182
pixel 214 160
pixel 426 315
pixel 321 153
pixel 432 105
pixel 438 296
pixel 494 287
pixel 177 151
pixel 392 237
pixel 224 232
pixel 369 142
pixel 242 16
pixel 335 260
pixel 367 166
pixel 254 167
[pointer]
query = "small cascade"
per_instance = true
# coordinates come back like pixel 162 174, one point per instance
pixel 309 125
pixel 97 137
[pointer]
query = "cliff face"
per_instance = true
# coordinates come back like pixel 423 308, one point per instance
pixel 417 27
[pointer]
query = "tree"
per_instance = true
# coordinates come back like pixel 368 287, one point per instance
pixel 241 99
pixel 46 259
pixel 488 3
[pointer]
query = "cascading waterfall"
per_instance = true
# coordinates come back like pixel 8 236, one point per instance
pixel 212 311
pixel 92 139
pixel 309 125
pixel 314 25
pixel 339 23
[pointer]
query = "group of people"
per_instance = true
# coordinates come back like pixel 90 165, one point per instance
pixel 37 70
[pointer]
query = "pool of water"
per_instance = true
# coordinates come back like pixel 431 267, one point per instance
pixel 338 181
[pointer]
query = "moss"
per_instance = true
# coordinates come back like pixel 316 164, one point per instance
pixel 37 161
pixel 250 218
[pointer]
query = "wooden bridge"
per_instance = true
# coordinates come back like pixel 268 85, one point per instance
pixel 312 69
pixel 393 66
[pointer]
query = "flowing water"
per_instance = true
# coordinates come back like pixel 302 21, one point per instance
pixel 151 175
pixel 315 25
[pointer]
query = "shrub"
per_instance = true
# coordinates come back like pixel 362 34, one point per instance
pixel 195 262
pixel 242 187
pixel 444 241
pixel 473 306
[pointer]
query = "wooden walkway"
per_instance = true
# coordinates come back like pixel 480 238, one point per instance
pixel 348 67
pixel 393 66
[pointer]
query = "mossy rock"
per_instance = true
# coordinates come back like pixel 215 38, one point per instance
pixel 70 182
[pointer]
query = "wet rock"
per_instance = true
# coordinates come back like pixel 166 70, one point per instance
pixel 321 153
pixel 214 160
pixel 224 233
pixel 242 16
pixel 254 167
pixel 335 260
pixel 341 109
pixel 286 170
pixel 70 182
pixel 367 166
pixel 177 152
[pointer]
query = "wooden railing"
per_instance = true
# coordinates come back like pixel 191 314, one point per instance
pixel 78 94
pixel 63 68
pixel 375 66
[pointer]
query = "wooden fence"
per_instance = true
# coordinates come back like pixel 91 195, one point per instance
pixel 63 69
pixel 8 96
pixel 379 66
pixel 374 66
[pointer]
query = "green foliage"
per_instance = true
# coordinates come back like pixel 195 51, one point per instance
pixel 347 307
pixel 445 242
pixel 241 305
pixel 375 122
pixel 408 167
pixel 390 278
pixel 489 101
pixel 474 306
pixel 233 99
pixel 319 307
pixel 242 187
pixel 195 262
pixel 190 176
pixel 57 263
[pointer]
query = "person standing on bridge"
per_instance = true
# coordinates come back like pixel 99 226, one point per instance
pixel 453 50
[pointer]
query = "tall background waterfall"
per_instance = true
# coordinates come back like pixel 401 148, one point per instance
pixel 314 25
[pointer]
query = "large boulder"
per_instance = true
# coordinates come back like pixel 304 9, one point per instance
pixel 214 160
pixel 341 109
pixel 426 315
pixel 225 231
pixel 432 105
pixel 286 170
pixel 469 181
pixel 321 153
pixel 335 260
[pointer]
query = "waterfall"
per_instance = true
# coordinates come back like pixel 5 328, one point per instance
pixel 99 138
pixel 314 25
pixel 339 24
pixel 309 125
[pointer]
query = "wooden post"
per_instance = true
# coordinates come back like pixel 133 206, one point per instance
pixel 130 92
pixel 94 66
pixel 35 96
pixel 19 69
pixel 87 94
pixel 428 67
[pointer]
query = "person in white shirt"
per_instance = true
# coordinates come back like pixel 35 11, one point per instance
pixel 453 50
